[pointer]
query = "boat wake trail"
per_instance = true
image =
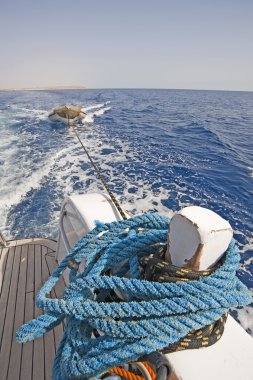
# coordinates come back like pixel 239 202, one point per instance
pixel 94 111
pixel 35 156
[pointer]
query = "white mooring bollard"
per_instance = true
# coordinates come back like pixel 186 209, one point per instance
pixel 197 239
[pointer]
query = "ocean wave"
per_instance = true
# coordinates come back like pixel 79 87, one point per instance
pixel 90 116
pixel 29 112
pixel 25 168
pixel 250 171
pixel 15 187
pixel 245 317
pixel 94 106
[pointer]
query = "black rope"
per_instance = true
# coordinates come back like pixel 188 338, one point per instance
pixel 114 200
pixel 155 268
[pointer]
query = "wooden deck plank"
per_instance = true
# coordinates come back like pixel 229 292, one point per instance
pixel 38 349
pixel 10 315
pixel 49 336
pixel 16 349
pixel 49 243
pixel 30 269
pixel 3 260
pixel 58 330
pixel 60 285
pixel 24 268
pixel 5 290
pixel 27 350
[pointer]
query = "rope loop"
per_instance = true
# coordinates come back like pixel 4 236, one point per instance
pixel 113 315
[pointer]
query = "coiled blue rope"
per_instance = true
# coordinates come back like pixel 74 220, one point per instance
pixel 156 314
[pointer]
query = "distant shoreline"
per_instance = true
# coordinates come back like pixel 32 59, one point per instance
pixel 50 88
pixel 55 88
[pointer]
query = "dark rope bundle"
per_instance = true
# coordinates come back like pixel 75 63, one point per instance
pixel 155 268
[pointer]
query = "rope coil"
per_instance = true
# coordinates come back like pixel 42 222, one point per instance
pixel 156 315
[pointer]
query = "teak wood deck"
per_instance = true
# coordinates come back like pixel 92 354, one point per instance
pixel 24 266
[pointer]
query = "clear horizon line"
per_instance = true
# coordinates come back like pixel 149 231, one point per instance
pixel 164 88
pixel 81 87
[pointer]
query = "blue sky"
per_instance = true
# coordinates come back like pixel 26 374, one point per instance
pixel 135 44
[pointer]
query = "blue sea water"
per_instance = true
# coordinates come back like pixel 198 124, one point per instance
pixel 159 150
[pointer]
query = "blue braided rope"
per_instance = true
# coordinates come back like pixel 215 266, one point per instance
pixel 156 315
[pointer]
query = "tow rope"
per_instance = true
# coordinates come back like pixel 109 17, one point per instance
pixel 148 315
pixel 100 177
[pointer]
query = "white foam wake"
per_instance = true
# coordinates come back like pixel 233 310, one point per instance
pixel 95 106
pixel 245 317
pixel 16 186
pixel 20 174
pixel 31 113
pixel 94 111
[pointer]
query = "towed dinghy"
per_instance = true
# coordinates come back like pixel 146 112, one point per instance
pixel 67 114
